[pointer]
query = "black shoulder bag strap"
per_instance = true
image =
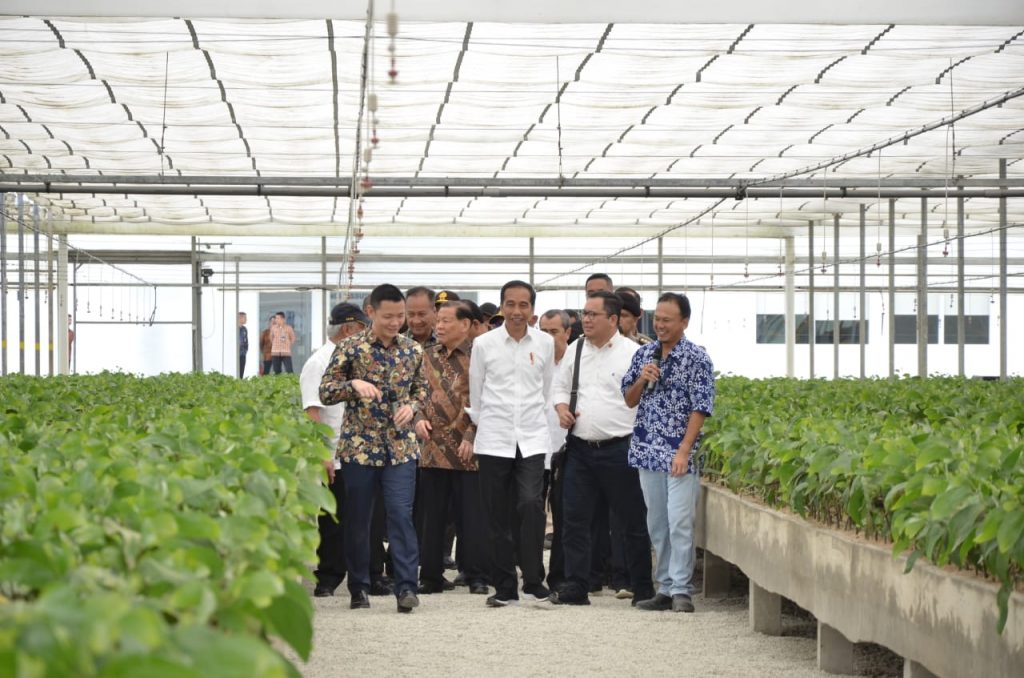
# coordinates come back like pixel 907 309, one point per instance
pixel 575 392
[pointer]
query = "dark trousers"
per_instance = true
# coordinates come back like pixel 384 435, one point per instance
pixel 281 360
pixel 397 484
pixel 378 535
pixel 330 553
pixel 499 478
pixel 556 561
pixel 266 367
pixel 241 365
pixel 437 488
pixel 590 472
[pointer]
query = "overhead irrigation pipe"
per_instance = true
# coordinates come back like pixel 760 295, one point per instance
pixel 60 189
pixel 119 183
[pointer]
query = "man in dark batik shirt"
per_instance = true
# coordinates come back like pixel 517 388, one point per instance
pixel 448 469
pixel 378 375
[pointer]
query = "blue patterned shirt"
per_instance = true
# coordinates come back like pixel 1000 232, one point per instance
pixel 687 385
pixel 369 436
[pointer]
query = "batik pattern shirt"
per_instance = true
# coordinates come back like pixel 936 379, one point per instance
pixel 447 374
pixel 687 385
pixel 370 436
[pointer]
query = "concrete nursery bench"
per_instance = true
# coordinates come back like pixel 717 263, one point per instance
pixel 942 622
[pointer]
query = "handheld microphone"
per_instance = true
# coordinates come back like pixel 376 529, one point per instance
pixel 656 361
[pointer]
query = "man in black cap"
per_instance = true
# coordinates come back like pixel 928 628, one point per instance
pixel 489 310
pixel 346 319
pixel 632 313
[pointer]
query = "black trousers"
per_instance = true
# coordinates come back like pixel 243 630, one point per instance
pixel 330 570
pixel 439 487
pixel 241 365
pixel 499 477
pixel 266 367
pixel 590 472
pixel 556 562
pixel 281 360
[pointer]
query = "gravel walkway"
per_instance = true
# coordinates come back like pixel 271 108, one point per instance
pixel 454 634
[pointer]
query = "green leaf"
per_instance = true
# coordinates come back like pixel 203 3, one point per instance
pixel 1010 531
pixel 290 615
pixel 135 665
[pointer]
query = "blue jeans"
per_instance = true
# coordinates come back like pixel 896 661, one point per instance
pixel 671 514
pixel 398 486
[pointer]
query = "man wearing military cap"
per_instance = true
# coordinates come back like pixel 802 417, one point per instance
pixel 345 320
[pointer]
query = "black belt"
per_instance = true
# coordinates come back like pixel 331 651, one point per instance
pixel 598 444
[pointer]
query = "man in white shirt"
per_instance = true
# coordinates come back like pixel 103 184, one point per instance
pixel 346 320
pixel 510 374
pixel 597 450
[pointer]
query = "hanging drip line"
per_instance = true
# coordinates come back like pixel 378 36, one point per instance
pixel 898 250
pixel 694 219
pixel 878 210
pixel 163 122
pixel 558 113
pixel 824 227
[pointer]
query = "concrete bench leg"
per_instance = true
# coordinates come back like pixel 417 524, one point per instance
pixel 835 652
pixel 912 669
pixel 765 611
pixel 716 576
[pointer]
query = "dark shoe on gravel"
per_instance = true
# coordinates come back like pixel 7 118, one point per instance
pixel 382 587
pixel 360 601
pixel 537 592
pixel 562 598
pixel 658 603
pixel 407 601
pixel 323 591
pixel 500 600
pixel 428 587
pixel 682 603
pixel 479 588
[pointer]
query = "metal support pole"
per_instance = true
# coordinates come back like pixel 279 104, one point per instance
pixel 63 347
pixel 36 320
pixel 661 266
pixel 531 262
pixel 21 283
pixel 49 292
pixel 810 299
pixel 197 309
pixel 3 284
pixel 323 280
pixel 238 309
pixel 790 307
pixel 862 303
pixel 961 327
pixel 1002 277
pixel 922 293
pixel 835 296
pixel 892 288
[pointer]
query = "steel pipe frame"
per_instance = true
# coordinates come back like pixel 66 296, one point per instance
pixel 872 183
pixel 61 189
pixel 3 284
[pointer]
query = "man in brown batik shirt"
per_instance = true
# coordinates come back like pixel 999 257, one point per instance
pixel 448 468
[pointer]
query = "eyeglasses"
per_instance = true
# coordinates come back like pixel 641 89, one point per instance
pixel 590 315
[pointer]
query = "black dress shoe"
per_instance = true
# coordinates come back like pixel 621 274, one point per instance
pixel 479 587
pixel 407 601
pixel 657 603
pixel 428 587
pixel 359 601
pixel 561 598
pixel 382 587
pixel 460 580
pixel 323 591
pixel 447 585
pixel 449 563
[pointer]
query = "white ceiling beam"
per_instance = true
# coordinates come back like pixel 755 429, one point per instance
pixel 919 12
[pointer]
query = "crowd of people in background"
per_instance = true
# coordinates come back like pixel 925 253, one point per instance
pixel 454 423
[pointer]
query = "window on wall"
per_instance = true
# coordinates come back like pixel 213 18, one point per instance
pixel 849 331
pixel 975 329
pixel 905 327
pixel 771 328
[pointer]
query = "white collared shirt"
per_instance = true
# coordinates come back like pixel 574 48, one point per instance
pixel 555 429
pixel 508 385
pixel 603 411
pixel 309 387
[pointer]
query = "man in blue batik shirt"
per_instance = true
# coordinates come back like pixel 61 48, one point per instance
pixel 672 381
